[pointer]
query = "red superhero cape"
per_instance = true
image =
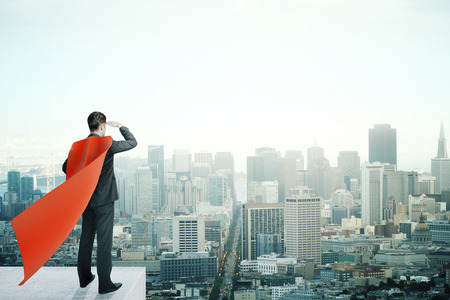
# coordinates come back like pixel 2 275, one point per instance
pixel 43 227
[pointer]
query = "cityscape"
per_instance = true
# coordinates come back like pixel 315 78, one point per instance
pixel 291 149
pixel 303 230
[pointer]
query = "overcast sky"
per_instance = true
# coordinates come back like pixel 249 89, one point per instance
pixel 225 75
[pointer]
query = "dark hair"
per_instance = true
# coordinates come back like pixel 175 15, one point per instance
pixel 95 119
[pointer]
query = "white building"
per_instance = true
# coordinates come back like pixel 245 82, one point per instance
pixel 278 291
pixel 181 160
pixel 268 263
pixel 188 234
pixel 302 224
pixel 269 190
pixel 372 193
pixel 248 265
pixel 351 223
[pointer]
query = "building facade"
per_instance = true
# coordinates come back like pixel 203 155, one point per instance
pixel 372 193
pixel 302 225
pixel 188 234
pixel 177 266
pixel 383 144
pixel 257 219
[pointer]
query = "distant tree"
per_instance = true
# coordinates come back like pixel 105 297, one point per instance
pixel 391 282
pixel 439 297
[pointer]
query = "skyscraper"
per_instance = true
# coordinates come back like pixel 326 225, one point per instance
pixel 144 183
pixel 255 168
pixel 302 225
pixel 188 234
pixel 315 157
pixel 298 156
pixel 182 160
pixel 349 162
pixel 440 166
pixel 260 218
pixel 399 185
pixel 156 158
pixel 383 144
pixel 14 182
pixel 285 170
pixel 203 157
pixel 224 160
pixel 13 187
pixel 216 189
pixel 372 193
pixel 26 188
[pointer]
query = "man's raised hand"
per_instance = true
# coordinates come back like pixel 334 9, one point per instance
pixel 114 124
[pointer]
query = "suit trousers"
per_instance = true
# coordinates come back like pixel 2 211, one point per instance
pixel 100 220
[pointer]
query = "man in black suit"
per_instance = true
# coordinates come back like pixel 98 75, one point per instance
pixel 99 213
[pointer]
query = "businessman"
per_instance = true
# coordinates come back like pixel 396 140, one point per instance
pixel 98 217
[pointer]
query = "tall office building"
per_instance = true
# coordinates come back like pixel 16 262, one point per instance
pixel 182 160
pixel 26 188
pixel 349 162
pixel 302 224
pixel 255 168
pixel 315 156
pixel 216 189
pixel 142 232
pixel 285 170
pixel 440 166
pixel 399 185
pixel 372 193
pixel 14 183
pixel 269 192
pixel 202 165
pixel 257 219
pixel 144 189
pixel 383 144
pixel 298 156
pixel 188 234
pixel 224 160
pixel 268 165
pixel 203 157
pixel 156 159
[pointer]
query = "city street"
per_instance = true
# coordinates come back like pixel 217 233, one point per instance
pixel 230 263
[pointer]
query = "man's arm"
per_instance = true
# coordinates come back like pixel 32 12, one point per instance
pixel 129 142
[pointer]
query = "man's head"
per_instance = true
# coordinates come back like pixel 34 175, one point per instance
pixel 97 123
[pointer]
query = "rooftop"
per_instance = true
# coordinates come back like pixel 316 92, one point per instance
pixel 62 283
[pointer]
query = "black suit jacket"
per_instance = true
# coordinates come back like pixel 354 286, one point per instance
pixel 106 189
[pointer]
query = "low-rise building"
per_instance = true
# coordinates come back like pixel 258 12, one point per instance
pixel 268 264
pixel 176 266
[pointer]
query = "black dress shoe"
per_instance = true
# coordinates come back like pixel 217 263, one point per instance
pixel 85 285
pixel 114 288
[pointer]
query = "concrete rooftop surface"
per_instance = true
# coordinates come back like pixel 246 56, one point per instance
pixel 62 283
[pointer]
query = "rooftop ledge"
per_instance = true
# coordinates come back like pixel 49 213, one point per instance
pixel 62 283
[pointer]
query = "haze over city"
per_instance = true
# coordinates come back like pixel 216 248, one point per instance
pixel 225 76
pixel 263 149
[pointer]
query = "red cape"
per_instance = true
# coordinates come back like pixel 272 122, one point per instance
pixel 43 227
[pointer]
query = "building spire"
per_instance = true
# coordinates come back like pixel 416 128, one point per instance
pixel 442 143
pixel 442 134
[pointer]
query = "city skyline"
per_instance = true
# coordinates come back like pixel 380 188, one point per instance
pixel 41 157
pixel 229 76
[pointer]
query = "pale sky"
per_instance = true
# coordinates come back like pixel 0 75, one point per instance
pixel 225 75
